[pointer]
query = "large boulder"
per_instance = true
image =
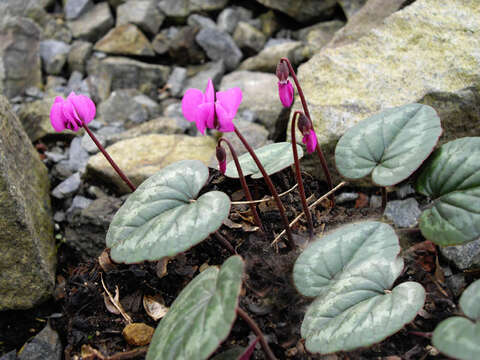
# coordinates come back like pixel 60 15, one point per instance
pixel 27 259
pixel 426 52
pixel 143 156
pixel 20 65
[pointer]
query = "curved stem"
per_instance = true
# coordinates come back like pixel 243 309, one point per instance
pixel 110 160
pixel 248 195
pixel 323 162
pixel 298 174
pixel 279 203
pixel 268 352
pixel 226 244
pixel 384 198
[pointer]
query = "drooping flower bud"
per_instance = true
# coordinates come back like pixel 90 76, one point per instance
pixel 282 71
pixel 222 159
pixel 304 124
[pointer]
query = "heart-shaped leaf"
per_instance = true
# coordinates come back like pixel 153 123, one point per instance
pixel 391 144
pixel 202 315
pixel 163 217
pixel 459 337
pixel 452 178
pixel 274 157
pixel 351 271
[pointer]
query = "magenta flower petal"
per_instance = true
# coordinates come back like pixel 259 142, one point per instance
pixel 230 100
pixel 190 102
pixel 209 92
pixel 310 140
pixel 222 167
pixel 205 117
pixel 57 118
pixel 84 107
pixel 285 91
pixel 73 122
pixel 225 123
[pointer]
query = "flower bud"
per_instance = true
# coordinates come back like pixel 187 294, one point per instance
pixel 304 124
pixel 222 159
pixel 282 71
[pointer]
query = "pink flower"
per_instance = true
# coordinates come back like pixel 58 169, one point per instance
pixel 71 113
pixel 285 90
pixel 310 140
pixel 213 110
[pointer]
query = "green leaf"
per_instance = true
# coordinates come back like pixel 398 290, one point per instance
pixel 452 178
pixel 391 144
pixel 274 157
pixel 164 217
pixel 334 323
pixel 202 315
pixel 459 337
pixel 350 272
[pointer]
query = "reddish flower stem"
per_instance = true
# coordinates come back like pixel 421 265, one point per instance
pixel 248 195
pixel 110 160
pixel 267 179
pixel 268 352
pixel 225 243
pixel 323 162
pixel 298 174
pixel 384 198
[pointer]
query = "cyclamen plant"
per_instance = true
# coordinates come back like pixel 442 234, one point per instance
pixel 349 272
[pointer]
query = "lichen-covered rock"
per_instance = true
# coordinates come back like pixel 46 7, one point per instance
pixel 35 118
pixel 248 37
pixel 20 65
pixel 301 10
pixel 143 156
pixel 267 59
pixel 125 39
pixel 27 259
pixel 350 7
pixel 426 52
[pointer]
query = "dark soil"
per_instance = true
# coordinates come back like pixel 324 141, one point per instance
pixel 81 317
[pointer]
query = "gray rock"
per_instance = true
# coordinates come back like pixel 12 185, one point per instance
pixel 77 84
pixel 57 29
pixel 145 14
pixel 67 187
pixel 456 283
pixel 269 23
pixel 404 190
pixel 78 204
pixel 59 217
pixel 31 9
pixel 345 197
pixel 228 19
pixel 375 202
pixel 176 81
pixel 77 156
pixel 93 24
pixel 129 107
pixel 270 111
pixel 200 21
pixel 54 55
pixel 403 213
pixel 162 41
pixel 317 36
pixel 12 355
pixel 211 70
pixel 35 118
pixel 34 92
pixel 45 345
pixel 465 257
pixel 87 229
pixel 219 46
pixel 89 145
pixel 77 57
pixel 75 8
pixel 183 47
pixel 115 73
pixel 54 156
pixel 183 8
pixel 350 7
pixel 116 3
pixel 304 10
pixel 28 254
pixel 248 38
pixel 19 56
pixel 267 60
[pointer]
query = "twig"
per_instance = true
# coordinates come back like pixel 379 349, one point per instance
pixel 127 318
pixel 225 242
pixel 343 183
pixel 270 198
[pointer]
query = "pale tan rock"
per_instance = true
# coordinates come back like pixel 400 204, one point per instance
pixel 138 334
pixel 143 156
pixel 125 39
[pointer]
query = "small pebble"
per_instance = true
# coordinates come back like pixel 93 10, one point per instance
pixel 138 334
